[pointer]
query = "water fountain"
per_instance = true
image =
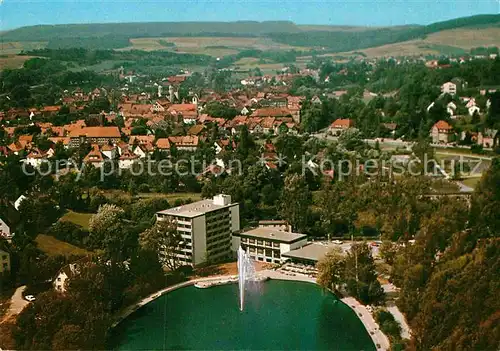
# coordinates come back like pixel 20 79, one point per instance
pixel 246 273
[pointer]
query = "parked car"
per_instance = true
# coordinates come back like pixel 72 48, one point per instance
pixel 338 242
pixel 30 298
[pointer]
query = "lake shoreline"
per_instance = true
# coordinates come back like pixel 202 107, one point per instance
pixel 380 340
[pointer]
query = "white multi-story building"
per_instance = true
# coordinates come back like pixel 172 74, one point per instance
pixel 268 244
pixel 206 227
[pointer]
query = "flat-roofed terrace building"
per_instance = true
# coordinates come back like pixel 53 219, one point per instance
pixel 206 227
pixel 268 244
pixel 309 254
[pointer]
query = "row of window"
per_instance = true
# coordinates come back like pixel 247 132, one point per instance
pixel 260 242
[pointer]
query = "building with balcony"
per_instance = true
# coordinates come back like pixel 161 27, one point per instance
pixel 206 227
pixel 268 244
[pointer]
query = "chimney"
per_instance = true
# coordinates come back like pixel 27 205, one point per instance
pixel 222 200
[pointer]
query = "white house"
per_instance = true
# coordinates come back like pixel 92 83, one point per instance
pixel 474 109
pixel 127 159
pixel 35 158
pixel 18 201
pixel 140 151
pixel 449 88
pixel 451 108
pixel 4 230
pixel 471 102
pixel 64 275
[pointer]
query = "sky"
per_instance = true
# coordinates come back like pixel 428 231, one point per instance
pixel 18 13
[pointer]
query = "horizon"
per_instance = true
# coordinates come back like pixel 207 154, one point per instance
pixel 367 13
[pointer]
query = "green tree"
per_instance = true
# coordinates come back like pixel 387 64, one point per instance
pixel 331 269
pixel 164 239
pixel 295 202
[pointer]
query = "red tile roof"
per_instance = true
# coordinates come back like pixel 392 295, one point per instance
pixel 342 123
pixel 443 125
pixel 186 141
pixel 271 112
pixel 94 155
pixel 163 143
pixel 96 132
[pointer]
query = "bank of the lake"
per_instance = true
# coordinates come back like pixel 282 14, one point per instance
pixel 277 315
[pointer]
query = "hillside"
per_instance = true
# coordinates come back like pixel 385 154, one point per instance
pixel 442 37
pixel 447 42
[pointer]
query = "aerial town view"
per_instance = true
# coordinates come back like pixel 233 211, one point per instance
pixel 250 175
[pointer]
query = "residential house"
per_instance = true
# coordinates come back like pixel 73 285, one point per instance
pixel 66 273
pixel 267 124
pixel 340 125
pixel 143 150
pixel 449 88
pixel 486 138
pixel 441 132
pixel 163 144
pixel 127 159
pixel 95 157
pixel 109 151
pixel 472 107
pixel 95 135
pixel 272 112
pixel 224 144
pixel 188 142
pixel 197 129
pixel 5 229
pixel 316 100
pixel 17 203
pixel 36 157
pixel 451 108
pixel 187 112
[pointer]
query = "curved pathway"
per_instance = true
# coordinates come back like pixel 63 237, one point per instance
pixel 17 303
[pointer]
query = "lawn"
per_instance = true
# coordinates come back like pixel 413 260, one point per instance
pixel 81 219
pixel 172 197
pixel 53 247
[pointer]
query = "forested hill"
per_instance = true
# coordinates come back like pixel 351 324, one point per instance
pixel 333 38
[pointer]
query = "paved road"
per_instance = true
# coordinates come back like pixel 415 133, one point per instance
pixel 400 318
pixel 371 326
pixel 17 303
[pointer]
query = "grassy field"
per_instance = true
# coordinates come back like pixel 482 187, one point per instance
pixel 77 218
pixel 53 247
pixel 172 197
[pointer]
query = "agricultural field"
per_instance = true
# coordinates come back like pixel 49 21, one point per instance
pixel 213 46
pixel 12 48
pixel 12 61
pixel 446 42
pixel 53 247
